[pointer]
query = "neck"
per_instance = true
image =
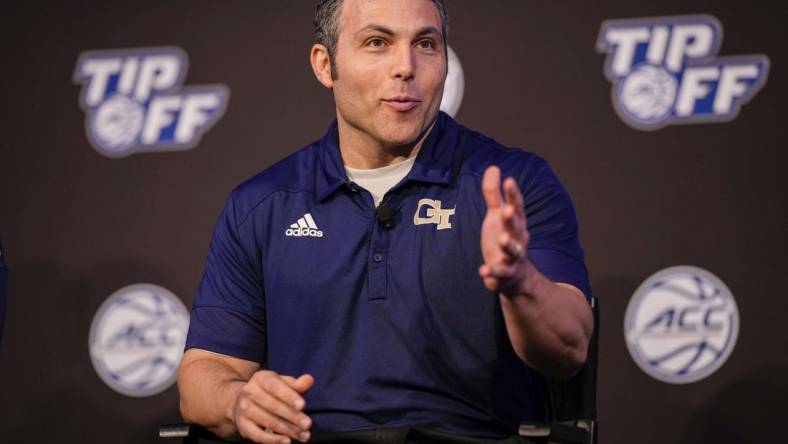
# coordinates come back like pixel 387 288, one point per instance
pixel 361 151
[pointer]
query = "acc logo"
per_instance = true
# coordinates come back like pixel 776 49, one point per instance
pixel 681 324
pixel 665 71
pixel 137 339
pixel 134 102
pixel 454 88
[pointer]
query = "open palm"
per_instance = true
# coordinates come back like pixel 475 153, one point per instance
pixel 504 237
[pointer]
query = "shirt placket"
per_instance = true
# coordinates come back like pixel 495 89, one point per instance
pixel 377 254
pixel 378 262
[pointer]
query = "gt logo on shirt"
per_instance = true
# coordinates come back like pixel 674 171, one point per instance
pixel 435 214
pixel 664 71
pixel 134 102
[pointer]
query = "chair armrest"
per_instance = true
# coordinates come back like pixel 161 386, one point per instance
pixel 567 432
pixel 190 434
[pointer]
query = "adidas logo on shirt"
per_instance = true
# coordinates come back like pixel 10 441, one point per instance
pixel 305 226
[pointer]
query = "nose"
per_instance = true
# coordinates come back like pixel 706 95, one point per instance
pixel 404 63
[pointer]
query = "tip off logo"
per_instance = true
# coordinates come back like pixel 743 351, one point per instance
pixel 681 325
pixel 665 71
pixel 134 101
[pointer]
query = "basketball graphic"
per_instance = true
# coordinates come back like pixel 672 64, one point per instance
pixel 117 123
pixel 647 94
pixel 137 339
pixel 681 325
pixel 454 88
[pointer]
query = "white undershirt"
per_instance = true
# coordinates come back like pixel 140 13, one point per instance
pixel 379 180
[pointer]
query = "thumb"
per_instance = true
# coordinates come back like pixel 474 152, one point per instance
pixel 302 383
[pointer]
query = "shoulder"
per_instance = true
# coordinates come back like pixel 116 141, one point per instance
pixel 293 174
pixel 479 151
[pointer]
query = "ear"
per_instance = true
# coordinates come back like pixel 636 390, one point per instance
pixel 321 65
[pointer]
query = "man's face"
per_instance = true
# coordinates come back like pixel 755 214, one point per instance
pixel 391 67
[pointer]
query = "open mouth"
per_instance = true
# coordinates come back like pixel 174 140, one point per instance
pixel 402 104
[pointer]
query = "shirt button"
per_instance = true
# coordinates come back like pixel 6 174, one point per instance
pixel 377 257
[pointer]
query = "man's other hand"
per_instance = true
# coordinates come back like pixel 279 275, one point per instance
pixel 270 408
pixel 232 397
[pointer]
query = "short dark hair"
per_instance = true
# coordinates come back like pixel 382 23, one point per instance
pixel 326 23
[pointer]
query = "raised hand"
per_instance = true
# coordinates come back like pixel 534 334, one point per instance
pixel 504 237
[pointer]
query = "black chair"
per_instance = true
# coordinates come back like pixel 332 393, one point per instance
pixel 189 434
pixel 574 408
pixel 574 401
pixel 3 289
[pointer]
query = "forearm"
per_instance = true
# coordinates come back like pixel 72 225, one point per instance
pixel 549 325
pixel 208 391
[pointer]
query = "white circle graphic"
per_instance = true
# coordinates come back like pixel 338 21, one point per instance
pixel 137 339
pixel 681 324
pixel 454 88
pixel 117 123
pixel 647 94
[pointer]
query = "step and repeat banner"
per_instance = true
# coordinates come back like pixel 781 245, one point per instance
pixel 127 124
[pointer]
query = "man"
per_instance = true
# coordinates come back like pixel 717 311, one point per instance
pixel 390 286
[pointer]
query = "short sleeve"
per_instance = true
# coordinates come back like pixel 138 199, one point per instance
pixel 554 247
pixel 228 316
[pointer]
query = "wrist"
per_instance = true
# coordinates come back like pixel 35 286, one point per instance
pixel 231 395
pixel 530 282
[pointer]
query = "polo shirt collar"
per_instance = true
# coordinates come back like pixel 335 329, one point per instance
pixel 434 162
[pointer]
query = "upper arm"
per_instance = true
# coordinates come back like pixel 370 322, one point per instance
pixel 554 245
pixel 228 315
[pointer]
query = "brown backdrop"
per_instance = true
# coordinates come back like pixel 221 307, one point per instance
pixel 77 226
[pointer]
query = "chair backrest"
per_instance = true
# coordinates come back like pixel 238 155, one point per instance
pixel 3 288
pixel 575 398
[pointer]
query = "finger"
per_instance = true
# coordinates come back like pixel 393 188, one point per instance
pixel 511 219
pixel 491 187
pixel 258 404
pixel 281 390
pixel 279 426
pixel 513 195
pixel 291 422
pixel 490 283
pixel 512 247
pixel 505 244
pixel 303 383
pixel 250 430
pixel 275 406
pixel 271 393
pixel 497 271
pixel 501 272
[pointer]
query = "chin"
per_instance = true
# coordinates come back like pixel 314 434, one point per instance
pixel 403 133
pixel 400 138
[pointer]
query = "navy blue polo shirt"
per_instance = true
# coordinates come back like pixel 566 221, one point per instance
pixel 393 322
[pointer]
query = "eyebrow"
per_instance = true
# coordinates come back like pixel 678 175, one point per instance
pixel 388 31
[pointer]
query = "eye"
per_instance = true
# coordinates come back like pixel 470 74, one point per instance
pixel 376 42
pixel 426 44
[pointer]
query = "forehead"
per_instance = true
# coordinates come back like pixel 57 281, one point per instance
pixel 398 15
